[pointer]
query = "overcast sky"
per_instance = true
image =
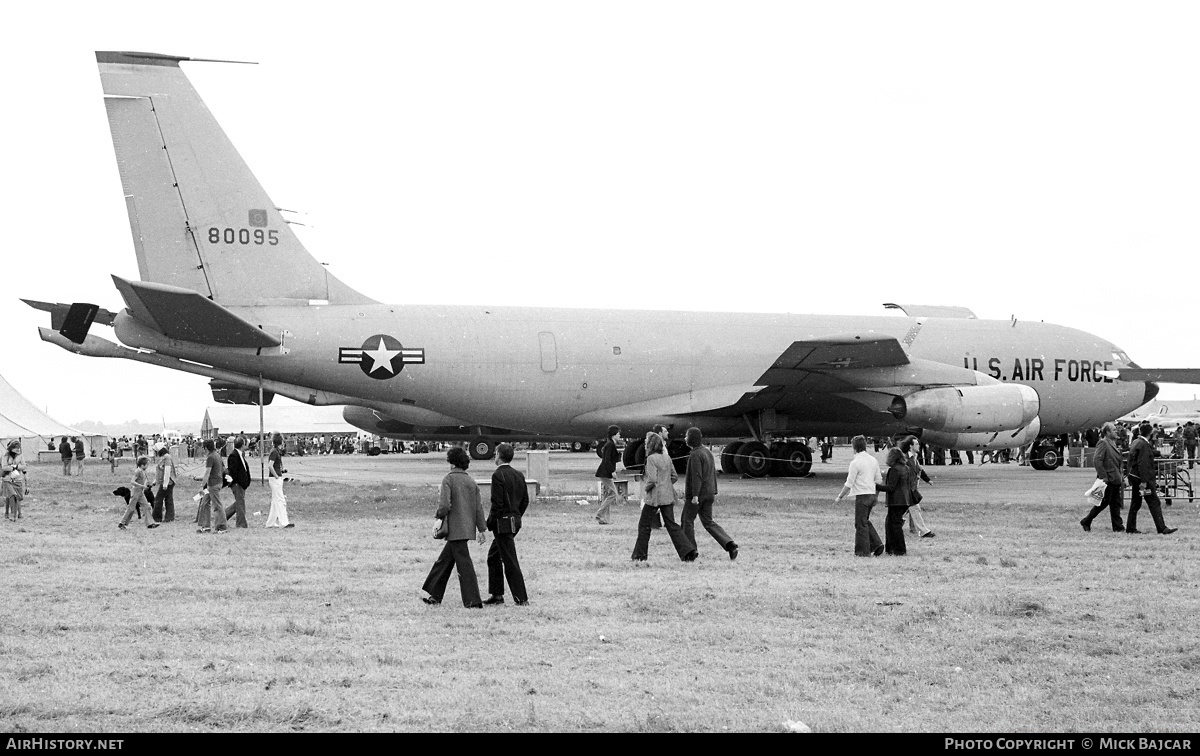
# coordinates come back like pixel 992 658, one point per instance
pixel 1035 159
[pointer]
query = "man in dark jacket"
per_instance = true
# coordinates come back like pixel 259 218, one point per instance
pixel 1108 468
pixel 1142 472
pixel 608 467
pixel 239 471
pixel 699 492
pixel 66 452
pixel 510 498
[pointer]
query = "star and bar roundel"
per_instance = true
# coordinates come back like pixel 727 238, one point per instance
pixel 381 357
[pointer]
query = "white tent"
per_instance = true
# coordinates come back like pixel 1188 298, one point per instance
pixel 285 418
pixel 20 419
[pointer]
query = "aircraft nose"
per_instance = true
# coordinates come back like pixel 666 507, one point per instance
pixel 1151 392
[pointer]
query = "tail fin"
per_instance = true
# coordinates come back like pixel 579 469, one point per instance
pixel 200 220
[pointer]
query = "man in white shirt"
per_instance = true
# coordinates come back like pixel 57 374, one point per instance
pixel 863 476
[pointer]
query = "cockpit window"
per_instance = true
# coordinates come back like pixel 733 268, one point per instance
pixel 1119 356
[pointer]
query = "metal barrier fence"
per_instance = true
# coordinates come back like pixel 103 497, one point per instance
pixel 1175 479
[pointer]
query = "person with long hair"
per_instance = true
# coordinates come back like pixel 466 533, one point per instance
pixel 460 506
pixel 12 484
pixel 897 483
pixel 659 506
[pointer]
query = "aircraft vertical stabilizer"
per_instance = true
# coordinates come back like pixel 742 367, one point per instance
pixel 200 219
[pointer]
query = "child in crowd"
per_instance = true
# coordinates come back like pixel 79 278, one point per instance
pixel 137 488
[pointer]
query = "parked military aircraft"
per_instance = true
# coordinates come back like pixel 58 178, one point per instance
pixel 1166 414
pixel 227 291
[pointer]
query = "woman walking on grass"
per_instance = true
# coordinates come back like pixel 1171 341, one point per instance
pixel 461 509
pixel 659 508
pixel 898 485
pixel 12 484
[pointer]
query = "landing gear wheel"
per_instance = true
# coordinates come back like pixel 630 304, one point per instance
pixel 631 459
pixel 1044 457
pixel 792 460
pixel 580 446
pixel 482 448
pixel 775 466
pixel 754 459
pixel 729 458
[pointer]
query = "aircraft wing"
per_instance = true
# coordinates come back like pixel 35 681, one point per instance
pixel 187 315
pixel 1163 375
pixel 820 379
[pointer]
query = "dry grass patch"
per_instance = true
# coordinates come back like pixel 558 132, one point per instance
pixel 997 624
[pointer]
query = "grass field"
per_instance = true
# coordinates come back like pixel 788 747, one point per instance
pixel 1011 619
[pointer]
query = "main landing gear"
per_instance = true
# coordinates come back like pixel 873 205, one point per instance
pixel 782 459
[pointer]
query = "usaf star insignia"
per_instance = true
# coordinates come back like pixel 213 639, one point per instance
pixel 381 357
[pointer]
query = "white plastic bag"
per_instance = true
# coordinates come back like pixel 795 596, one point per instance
pixel 1095 494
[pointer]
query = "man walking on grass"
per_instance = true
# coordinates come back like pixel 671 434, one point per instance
pixel 1108 468
pixel 1142 472
pixel 699 493
pixel 861 480
pixel 510 498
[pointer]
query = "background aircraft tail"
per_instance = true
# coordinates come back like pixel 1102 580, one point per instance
pixel 200 220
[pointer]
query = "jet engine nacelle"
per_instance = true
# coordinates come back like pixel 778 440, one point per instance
pixel 969 409
pixel 1009 439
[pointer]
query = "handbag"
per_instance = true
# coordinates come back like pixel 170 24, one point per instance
pixel 442 529
pixel 506 525
pixel 916 496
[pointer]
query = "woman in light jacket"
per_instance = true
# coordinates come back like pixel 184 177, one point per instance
pixel 462 509
pixel 897 482
pixel 660 502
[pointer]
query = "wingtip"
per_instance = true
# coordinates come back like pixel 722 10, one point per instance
pixel 156 59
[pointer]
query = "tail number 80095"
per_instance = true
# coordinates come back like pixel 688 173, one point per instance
pixel 242 236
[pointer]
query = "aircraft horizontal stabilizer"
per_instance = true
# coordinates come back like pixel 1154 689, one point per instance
pixel 58 313
pixel 1163 375
pixel 186 315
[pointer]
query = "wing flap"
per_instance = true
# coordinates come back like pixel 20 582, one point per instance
pixel 186 315
pixel 691 403
pixel 829 355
